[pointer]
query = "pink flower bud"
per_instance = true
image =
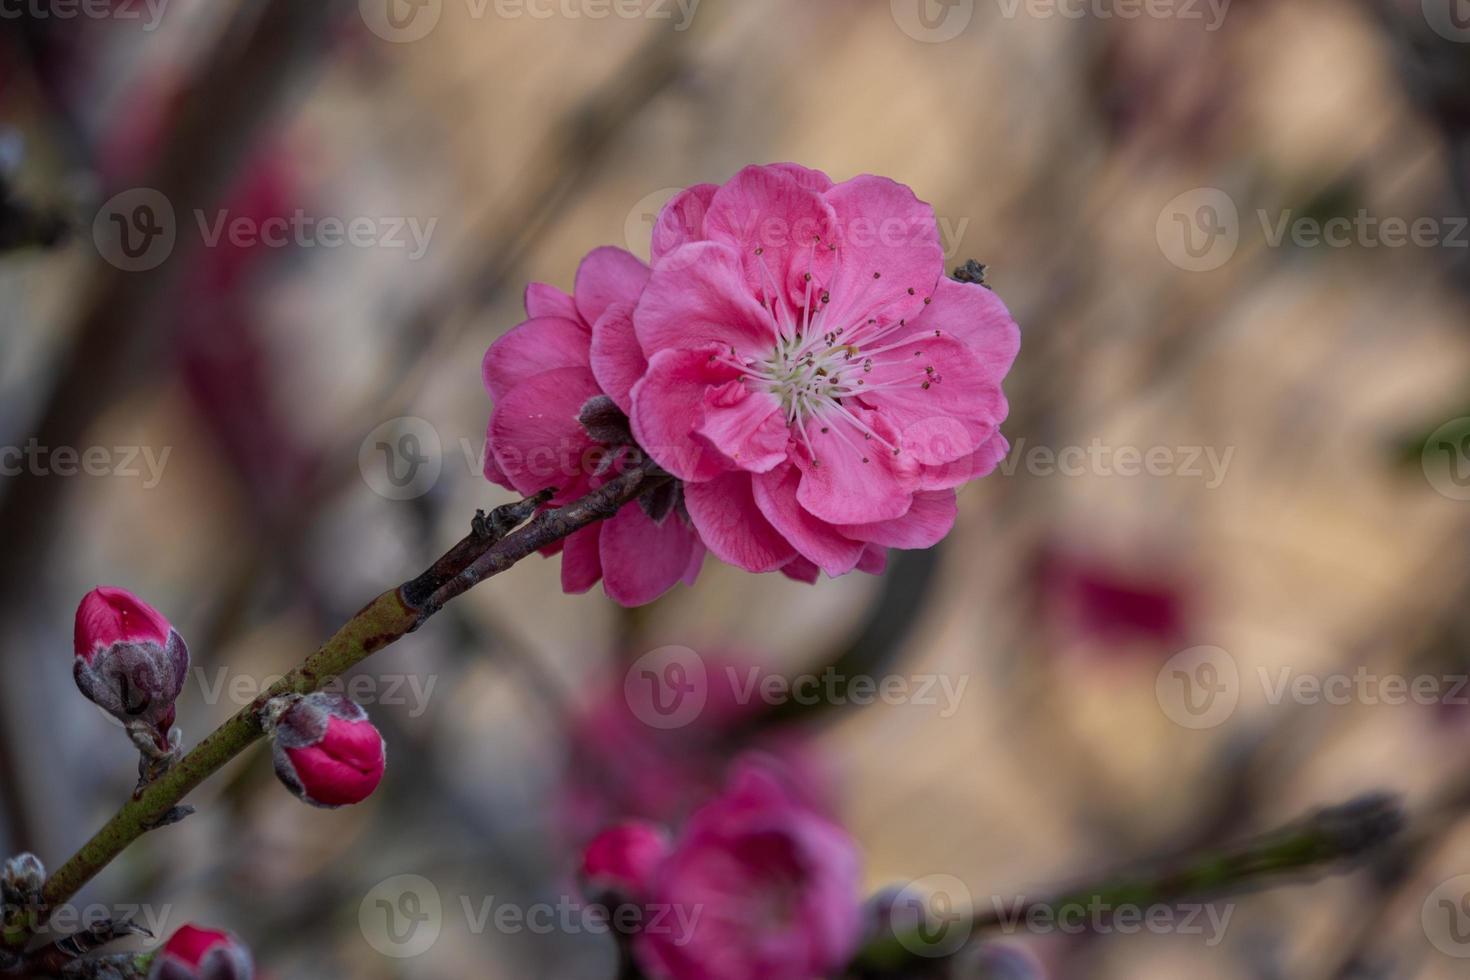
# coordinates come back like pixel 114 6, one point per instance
pixel 129 660
pixel 193 953
pixel 327 752
pixel 621 861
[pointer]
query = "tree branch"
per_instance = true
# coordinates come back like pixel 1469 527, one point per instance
pixel 490 548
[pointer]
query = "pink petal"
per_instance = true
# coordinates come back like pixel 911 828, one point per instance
pixel 642 560
pixel 538 442
pixel 532 347
pixel 493 473
pixel 775 495
pixel 874 560
pixel 747 426
pixel 812 180
pixel 682 220
pixel 668 405
pixel 581 560
pixel 925 525
pixel 977 318
pixel 982 462
pixel 959 397
pixel 884 230
pixel 729 522
pixel 543 300
pixel 606 276
pixel 801 570
pixel 781 230
pixel 854 480
pixel 617 360
pixel 700 297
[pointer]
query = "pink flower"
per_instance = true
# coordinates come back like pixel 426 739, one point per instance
pixel 622 860
pixel 193 953
pixel 326 750
pixel 806 368
pixel 541 375
pixel 759 886
pixel 129 660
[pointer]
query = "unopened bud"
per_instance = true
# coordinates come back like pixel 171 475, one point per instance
pixel 193 953
pixel 130 661
pixel 326 750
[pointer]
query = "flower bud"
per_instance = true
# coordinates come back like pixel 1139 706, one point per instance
pixel 327 752
pixel 130 661
pixel 193 953
pixel 621 861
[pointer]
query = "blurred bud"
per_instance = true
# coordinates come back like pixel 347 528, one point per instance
pixel 327 752
pixel 193 953
pixel 130 662
pixel 621 861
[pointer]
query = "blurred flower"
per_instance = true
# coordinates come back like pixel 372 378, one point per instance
pixel 129 661
pixel 812 375
pixel 622 860
pixel 767 885
pixel 623 768
pixel 541 378
pixel 326 750
pixel 193 953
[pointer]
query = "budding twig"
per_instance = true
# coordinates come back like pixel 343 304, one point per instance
pixel 491 547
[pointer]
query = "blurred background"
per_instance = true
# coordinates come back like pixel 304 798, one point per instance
pixel 254 252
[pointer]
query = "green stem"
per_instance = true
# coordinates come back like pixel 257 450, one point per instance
pixel 487 551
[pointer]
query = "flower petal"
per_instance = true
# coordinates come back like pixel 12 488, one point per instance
pixel 781 230
pixel 538 442
pixel 699 296
pixel 890 256
pixel 732 526
pixel 608 275
pixel 682 220
pixel 544 300
pixel 581 560
pixel 874 560
pixel 776 496
pixel 642 560
pixel 982 462
pixel 801 570
pixel 852 479
pixel 936 392
pixel 925 525
pixel 747 426
pixel 532 347
pixel 668 405
pixel 617 360
pixel 977 318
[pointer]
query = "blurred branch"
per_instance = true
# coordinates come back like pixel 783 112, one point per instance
pixel 1331 839
pixel 484 552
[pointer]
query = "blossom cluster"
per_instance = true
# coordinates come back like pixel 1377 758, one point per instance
pixel 794 355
